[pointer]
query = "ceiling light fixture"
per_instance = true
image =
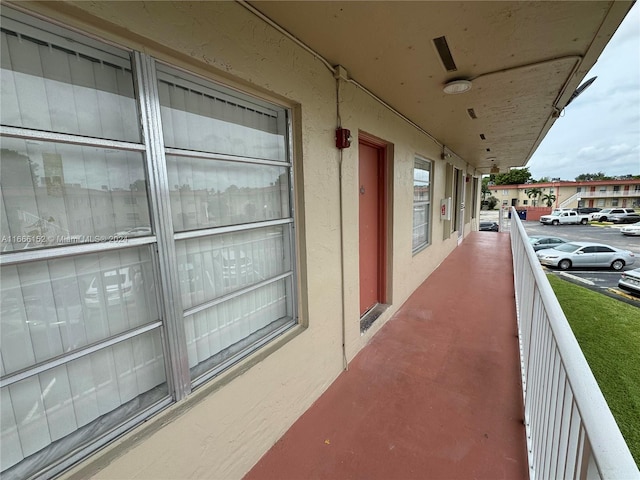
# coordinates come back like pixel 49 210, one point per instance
pixel 494 168
pixel 444 155
pixel 457 86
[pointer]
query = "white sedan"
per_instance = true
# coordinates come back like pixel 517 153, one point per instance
pixel 630 281
pixel 585 254
pixel 633 229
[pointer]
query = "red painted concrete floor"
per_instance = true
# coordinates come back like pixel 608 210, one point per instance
pixel 435 395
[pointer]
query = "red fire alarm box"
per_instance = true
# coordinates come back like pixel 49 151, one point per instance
pixel 343 138
pixel 445 209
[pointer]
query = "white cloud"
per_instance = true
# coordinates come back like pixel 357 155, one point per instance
pixel 600 130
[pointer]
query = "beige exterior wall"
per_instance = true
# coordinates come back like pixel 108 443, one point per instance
pixel 602 194
pixel 221 430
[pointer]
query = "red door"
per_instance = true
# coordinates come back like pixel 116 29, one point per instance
pixel 372 228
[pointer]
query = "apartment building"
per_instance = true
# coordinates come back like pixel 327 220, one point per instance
pixel 563 194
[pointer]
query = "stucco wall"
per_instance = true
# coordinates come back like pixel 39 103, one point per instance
pixel 223 429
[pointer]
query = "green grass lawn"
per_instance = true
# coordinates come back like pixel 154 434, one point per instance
pixel 608 332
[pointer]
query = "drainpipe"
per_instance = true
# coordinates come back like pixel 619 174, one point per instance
pixel 339 74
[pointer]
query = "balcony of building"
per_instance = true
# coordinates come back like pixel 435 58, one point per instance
pixel 476 376
pixel 610 194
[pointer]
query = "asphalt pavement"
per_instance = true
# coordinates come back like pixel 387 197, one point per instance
pixel 601 280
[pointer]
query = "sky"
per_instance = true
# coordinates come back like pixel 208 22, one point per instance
pixel 600 130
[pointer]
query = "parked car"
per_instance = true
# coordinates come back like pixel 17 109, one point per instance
pixel 625 218
pixel 237 267
pixel 586 210
pixel 540 242
pixel 489 227
pixel 604 214
pixel 585 254
pixel 113 287
pixel 564 217
pixel 631 229
pixel 630 281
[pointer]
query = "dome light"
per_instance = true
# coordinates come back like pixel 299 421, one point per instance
pixel 457 86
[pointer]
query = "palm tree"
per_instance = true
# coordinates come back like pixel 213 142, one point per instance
pixel 534 192
pixel 549 198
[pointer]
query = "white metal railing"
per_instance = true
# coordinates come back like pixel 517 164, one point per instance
pixel 571 432
pixel 567 202
pixel 609 193
pixel 504 216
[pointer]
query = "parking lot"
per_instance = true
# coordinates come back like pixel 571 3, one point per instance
pixel 587 233
pixel 603 280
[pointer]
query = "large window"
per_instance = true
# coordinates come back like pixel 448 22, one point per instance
pixel 421 204
pixel 147 239
pixel 229 183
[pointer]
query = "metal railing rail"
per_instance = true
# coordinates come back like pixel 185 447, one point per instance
pixel 610 193
pixel 568 201
pixel 571 432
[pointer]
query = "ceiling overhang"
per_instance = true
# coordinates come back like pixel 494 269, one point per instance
pixel 524 61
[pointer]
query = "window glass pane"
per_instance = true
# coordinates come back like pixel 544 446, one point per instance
pixel 56 194
pixel 211 193
pixel 420 224
pixel 50 83
pixel 421 186
pixel 47 415
pixel 195 117
pixel 216 265
pixel 54 307
pixel 221 331
pixel 421 203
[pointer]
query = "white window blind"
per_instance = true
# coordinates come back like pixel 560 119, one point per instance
pixel 50 86
pixel 60 194
pixel 197 117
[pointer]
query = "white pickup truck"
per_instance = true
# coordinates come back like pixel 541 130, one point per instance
pixel 564 217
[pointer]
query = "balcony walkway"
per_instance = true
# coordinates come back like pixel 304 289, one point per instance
pixel 435 395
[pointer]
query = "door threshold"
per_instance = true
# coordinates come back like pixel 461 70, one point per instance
pixel 371 315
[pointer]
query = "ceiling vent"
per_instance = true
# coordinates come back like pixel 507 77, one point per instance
pixel 472 113
pixel 445 54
